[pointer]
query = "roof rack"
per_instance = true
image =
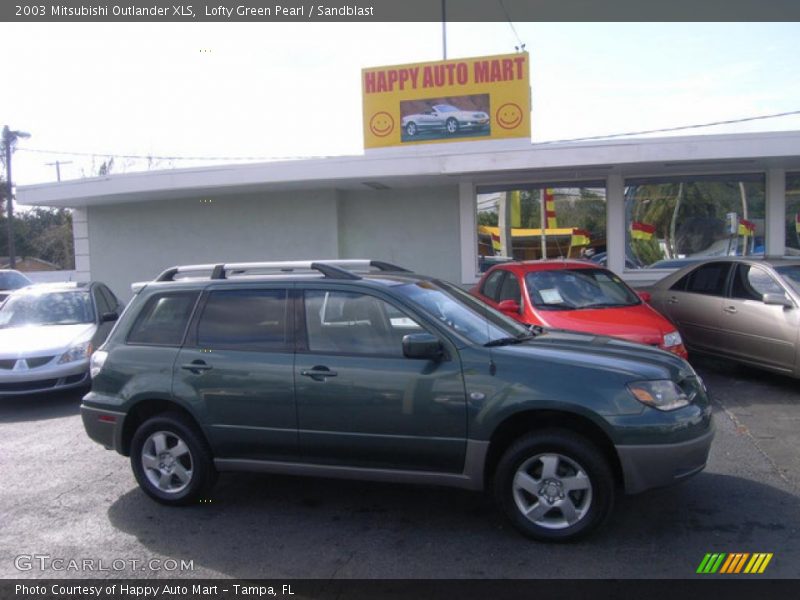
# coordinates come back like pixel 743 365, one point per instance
pixel 332 269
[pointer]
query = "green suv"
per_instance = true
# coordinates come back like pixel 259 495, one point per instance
pixel 360 369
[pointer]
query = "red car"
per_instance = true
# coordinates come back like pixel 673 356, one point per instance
pixel 576 295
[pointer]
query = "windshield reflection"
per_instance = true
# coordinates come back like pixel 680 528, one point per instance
pixel 52 308
pixel 460 312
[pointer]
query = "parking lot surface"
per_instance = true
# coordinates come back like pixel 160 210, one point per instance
pixel 64 497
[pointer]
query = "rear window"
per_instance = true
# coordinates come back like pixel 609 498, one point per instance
pixel 163 319
pixel 11 280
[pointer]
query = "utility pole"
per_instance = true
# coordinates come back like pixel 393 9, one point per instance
pixel 9 138
pixel 444 29
pixel 57 165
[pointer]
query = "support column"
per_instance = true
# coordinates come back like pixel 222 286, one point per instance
pixel 775 221
pixel 468 232
pixel 615 222
pixel 80 237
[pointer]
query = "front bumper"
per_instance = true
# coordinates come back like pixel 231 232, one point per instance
pixel 651 466
pixel 51 377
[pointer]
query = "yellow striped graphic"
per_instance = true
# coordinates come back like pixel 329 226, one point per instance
pixel 758 563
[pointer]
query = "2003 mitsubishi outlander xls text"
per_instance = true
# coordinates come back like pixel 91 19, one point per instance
pixel 361 369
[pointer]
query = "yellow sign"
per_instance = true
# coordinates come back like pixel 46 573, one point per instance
pixel 446 101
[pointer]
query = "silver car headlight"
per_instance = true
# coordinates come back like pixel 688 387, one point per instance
pixel 77 352
pixel 662 394
pixel 96 363
pixel 672 339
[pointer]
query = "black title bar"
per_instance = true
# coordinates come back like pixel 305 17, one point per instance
pixel 398 10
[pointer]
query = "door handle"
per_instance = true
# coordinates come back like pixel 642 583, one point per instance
pixel 672 300
pixel 197 366
pixel 730 310
pixel 318 373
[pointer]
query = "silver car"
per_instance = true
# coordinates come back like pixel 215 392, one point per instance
pixel 445 118
pixel 49 331
pixel 11 280
pixel 745 309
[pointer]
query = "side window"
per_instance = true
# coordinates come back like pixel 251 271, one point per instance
pixel 112 301
pixel 163 320
pixel 492 284
pixel 680 285
pixel 249 320
pixel 510 289
pixel 101 302
pixel 351 323
pixel 751 283
pixel 708 279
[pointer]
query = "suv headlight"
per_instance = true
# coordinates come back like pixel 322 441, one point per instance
pixel 662 394
pixel 77 352
pixel 97 362
pixel 672 339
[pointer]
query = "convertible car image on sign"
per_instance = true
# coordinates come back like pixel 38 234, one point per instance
pixel 442 118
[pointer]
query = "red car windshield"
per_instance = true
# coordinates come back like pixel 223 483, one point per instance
pixel 571 289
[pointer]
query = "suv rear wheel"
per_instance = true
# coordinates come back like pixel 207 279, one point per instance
pixel 554 485
pixel 171 461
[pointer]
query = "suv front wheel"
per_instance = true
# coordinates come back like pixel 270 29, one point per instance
pixel 171 461
pixel 554 485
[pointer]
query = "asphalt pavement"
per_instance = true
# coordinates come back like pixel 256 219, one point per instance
pixel 64 497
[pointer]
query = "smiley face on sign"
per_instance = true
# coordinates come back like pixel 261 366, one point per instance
pixel 509 116
pixel 381 124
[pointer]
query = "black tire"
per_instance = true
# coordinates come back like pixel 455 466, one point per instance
pixel 411 129
pixel 197 462
pixel 576 457
pixel 451 126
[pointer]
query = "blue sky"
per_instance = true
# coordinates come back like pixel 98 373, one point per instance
pixel 293 90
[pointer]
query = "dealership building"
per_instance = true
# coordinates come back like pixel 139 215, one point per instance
pixel 432 208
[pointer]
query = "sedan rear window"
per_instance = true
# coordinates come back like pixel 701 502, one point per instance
pixel 11 280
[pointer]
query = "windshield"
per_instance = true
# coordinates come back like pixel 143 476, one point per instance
pixel 11 280
pixel 569 289
pixel 460 312
pixel 791 275
pixel 446 108
pixel 50 308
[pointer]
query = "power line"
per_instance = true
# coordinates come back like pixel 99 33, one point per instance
pixel 679 128
pixel 274 158
pixel 521 46
pixel 153 157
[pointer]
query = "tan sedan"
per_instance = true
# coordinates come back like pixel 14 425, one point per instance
pixel 745 309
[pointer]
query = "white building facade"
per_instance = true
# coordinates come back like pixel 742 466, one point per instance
pixel 421 207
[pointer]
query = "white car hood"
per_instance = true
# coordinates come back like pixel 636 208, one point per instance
pixel 41 340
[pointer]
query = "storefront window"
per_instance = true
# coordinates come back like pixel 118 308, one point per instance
pixel 793 214
pixel 532 222
pixel 673 220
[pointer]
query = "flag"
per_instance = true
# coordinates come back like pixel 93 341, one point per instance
pixel 746 227
pixel 496 246
pixel 642 231
pixel 580 237
pixel 516 211
pixel 550 209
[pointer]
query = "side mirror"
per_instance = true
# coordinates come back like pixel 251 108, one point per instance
pixel 108 316
pixel 645 296
pixel 510 307
pixel 777 299
pixel 422 345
